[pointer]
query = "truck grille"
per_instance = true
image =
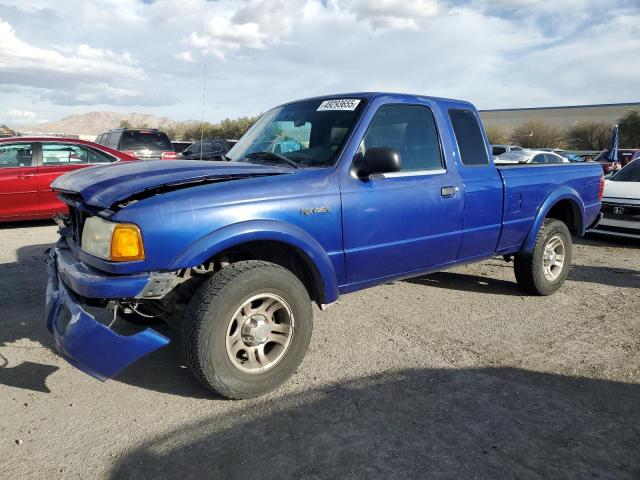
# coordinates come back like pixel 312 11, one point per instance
pixel 625 209
pixel 78 218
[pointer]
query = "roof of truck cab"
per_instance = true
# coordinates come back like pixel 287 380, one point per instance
pixel 372 95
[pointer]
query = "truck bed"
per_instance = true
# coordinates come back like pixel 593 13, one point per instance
pixel 526 187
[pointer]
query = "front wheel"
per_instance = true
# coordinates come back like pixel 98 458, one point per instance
pixel 544 270
pixel 247 329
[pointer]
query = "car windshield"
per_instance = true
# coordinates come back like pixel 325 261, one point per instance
pixel 515 156
pixel 207 147
pixel 135 140
pixel 309 133
pixel 630 173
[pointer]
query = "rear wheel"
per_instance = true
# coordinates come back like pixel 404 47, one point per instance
pixel 247 329
pixel 544 270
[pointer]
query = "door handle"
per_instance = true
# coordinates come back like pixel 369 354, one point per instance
pixel 24 176
pixel 448 191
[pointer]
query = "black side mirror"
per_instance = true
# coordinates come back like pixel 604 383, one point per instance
pixel 378 160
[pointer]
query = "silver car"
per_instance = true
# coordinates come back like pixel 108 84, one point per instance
pixel 529 156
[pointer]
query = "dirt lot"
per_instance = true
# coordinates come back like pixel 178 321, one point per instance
pixel 451 375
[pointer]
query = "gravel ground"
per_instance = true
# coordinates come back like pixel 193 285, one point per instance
pixel 450 375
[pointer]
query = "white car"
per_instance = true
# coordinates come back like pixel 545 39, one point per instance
pixel 621 203
pixel 497 150
pixel 529 156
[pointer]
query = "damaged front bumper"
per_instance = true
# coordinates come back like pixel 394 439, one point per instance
pixel 84 342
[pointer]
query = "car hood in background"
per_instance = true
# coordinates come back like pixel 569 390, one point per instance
pixel 622 190
pixel 107 185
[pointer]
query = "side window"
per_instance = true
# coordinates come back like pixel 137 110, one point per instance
pixel 60 154
pixel 552 158
pixel 411 131
pixel 99 139
pixel 95 156
pixel 16 155
pixel 111 140
pixel 473 151
pixel 498 150
pixel 539 158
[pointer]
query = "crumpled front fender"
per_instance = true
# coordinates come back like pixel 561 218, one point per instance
pixel 86 343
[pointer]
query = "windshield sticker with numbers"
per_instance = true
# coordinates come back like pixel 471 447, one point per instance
pixel 339 104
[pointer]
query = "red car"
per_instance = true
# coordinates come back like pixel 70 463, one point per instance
pixel 28 165
pixel 625 156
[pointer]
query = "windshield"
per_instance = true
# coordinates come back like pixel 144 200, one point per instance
pixel 132 140
pixel 309 133
pixel 630 173
pixel 207 147
pixel 514 156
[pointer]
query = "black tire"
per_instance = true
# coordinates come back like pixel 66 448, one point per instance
pixel 529 267
pixel 137 319
pixel 206 322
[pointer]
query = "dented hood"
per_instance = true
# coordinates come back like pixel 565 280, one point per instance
pixel 107 185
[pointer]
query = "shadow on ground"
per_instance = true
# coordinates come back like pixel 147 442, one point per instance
pixel 603 240
pixel 612 276
pixel 26 224
pixel 468 283
pixel 478 423
pixel 22 317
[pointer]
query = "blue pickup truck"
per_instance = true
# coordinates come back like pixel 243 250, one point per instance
pixel 234 253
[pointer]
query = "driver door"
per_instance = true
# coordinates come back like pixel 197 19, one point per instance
pixel 405 221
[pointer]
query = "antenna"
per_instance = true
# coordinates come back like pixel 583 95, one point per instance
pixel 204 97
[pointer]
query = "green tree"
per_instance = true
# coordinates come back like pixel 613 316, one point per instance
pixel 589 136
pixel 125 124
pixel 6 131
pixel 537 134
pixel 629 129
pixel 227 128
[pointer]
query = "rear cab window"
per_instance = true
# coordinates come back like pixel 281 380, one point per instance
pixel 473 151
pixel 138 140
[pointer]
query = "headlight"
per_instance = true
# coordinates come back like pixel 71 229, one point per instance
pixel 118 242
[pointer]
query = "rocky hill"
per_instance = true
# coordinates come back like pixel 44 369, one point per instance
pixel 93 123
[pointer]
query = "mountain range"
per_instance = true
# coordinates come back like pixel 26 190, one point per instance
pixel 94 123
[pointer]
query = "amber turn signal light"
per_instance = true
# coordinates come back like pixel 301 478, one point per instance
pixel 126 243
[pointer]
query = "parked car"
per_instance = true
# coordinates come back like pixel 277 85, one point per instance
pixel 625 156
pixel 208 149
pixel 233 253
pixel 530 156
pixel 145 144
pixel 497 150
pixel 28 165
pixel 180 145
pixel 621 203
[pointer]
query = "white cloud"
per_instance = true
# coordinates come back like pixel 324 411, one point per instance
pixel 185 57
pixel 20 114
pixel 496 53
pixel 17 55
pixel 394 14
pixel 256 24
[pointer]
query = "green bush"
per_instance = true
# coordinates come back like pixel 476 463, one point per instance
pixel 589 136
pixel 629 130
pixel 537 134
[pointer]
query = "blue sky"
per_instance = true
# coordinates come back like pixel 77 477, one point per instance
pixel 73 56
